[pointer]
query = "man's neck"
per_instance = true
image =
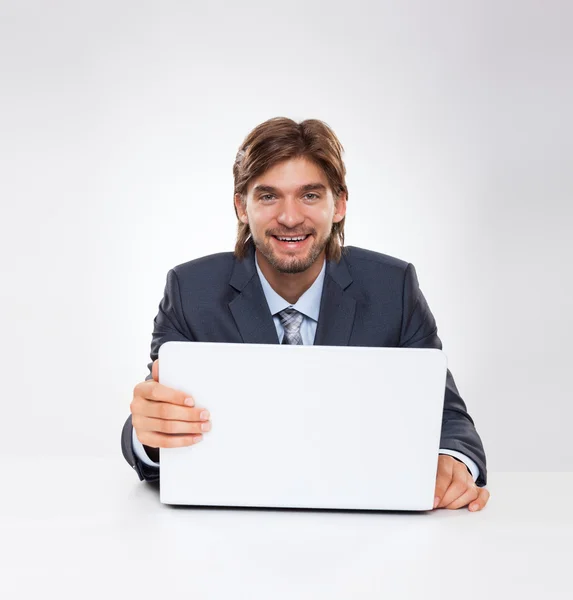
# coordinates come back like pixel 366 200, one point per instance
pixel 290 286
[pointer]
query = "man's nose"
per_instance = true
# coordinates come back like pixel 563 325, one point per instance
pixel 290 214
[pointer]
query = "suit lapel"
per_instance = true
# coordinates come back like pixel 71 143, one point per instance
pixel 250 309
pixel 255 322
pixel 337 307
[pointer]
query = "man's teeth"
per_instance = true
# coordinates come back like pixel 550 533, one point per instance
pixel 292 239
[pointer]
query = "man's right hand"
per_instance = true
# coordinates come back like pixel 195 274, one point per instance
pixel 163 417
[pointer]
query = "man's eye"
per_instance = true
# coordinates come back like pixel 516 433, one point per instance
pixel 310 196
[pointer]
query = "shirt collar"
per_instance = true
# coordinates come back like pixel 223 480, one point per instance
pixel 308 304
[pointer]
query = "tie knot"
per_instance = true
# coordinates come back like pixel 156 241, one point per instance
pixel 291 320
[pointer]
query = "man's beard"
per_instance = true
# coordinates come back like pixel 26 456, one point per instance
pixel 293 264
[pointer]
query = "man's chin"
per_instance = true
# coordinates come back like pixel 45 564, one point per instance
pixel 290 264
pixel 292 267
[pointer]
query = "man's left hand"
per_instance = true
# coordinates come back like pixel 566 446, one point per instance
pixel 455 486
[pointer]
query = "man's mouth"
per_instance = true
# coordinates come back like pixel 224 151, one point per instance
pixel 291 241
pixel 291 238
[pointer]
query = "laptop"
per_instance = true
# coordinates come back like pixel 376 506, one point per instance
pixel 320 427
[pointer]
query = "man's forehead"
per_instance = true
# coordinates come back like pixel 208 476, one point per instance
pixel 305 187
pixel 291 176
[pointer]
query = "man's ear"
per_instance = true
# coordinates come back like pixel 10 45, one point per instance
pixel 340 208
pixel 241 209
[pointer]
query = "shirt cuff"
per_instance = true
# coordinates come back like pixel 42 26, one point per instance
pixel 139 450
pixel 470 464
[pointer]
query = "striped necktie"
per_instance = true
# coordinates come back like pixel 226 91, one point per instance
pixel 291 320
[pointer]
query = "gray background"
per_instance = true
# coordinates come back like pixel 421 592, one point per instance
pixel 119 126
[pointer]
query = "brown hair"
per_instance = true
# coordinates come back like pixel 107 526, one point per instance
pixel 279 139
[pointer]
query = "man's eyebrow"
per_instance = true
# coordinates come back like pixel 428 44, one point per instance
pixel 303 188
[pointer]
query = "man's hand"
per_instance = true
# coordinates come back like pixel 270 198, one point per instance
pixel 166 418
pixel 455 486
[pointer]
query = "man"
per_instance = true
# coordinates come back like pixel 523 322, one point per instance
pixel 290 280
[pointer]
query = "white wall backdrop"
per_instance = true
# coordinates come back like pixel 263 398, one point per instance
pixel 119 126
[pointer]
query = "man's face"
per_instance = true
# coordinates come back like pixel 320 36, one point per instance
pixel 291 200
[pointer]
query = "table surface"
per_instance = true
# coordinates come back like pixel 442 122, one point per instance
pixel 86 527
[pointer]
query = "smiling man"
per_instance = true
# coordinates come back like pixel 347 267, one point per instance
pixel 291 280
pixel 290 223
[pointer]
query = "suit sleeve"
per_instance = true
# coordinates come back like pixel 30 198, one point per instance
pixel 169 325
pixel 419 330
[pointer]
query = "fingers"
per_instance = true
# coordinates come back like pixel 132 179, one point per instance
pixel 470 494
pixel 481 501
pixel 142 423
pixel 164 410
pixel 461 489
pixel 452 482
pixel 444 477
pixel 162 425
pixel 163 417
pixel 461 483
pixel 165 440
pixel 152 390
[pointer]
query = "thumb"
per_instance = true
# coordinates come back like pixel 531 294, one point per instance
pixel 155 370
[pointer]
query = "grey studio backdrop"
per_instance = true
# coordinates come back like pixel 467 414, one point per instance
pixel 120 122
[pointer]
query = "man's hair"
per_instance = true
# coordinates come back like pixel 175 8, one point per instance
pixel 280 139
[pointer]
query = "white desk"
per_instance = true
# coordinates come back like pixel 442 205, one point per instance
pixel 88 528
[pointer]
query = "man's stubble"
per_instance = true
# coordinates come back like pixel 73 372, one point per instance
pixel 292 265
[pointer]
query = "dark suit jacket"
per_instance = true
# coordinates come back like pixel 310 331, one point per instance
pixel 368 299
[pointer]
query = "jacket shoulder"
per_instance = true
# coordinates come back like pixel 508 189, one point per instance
pixel 211 267
pixel 363 258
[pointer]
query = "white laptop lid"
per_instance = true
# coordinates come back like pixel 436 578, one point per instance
pixel 306 426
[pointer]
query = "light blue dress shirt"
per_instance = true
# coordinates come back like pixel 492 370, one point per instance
pixel 309 305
